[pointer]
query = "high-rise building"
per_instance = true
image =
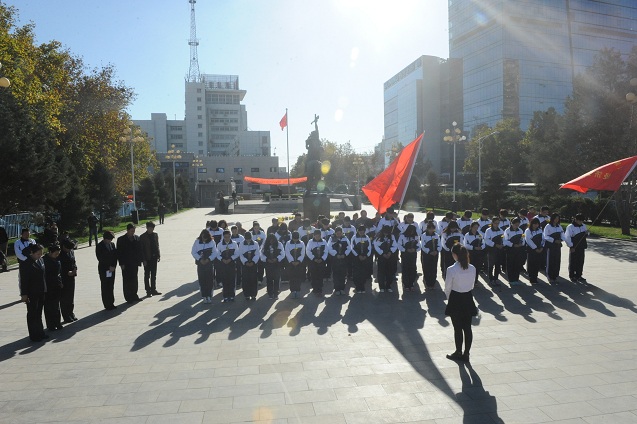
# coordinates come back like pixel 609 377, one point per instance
pixel 521 56
pixel 425 96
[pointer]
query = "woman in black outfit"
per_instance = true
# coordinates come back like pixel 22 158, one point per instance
pixel 459 282
pixel 53 288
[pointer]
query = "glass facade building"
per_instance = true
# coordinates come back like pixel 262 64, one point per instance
pixel 521 56
pixel 424 96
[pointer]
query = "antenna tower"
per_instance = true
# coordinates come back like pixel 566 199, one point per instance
pixel 193 71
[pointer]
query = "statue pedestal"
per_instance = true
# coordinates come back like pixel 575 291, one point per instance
pixel 314 205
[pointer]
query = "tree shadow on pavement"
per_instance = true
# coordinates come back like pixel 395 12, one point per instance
pixel 623 251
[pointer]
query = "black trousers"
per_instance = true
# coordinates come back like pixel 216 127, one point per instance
pixel 34 317
pixel 130 283
pixel 515 257
pixel 67 298
pixel 92 233
pixel 297 275
pixel 476 257
pixel 238 267
pixel 226 275
pixel 494 258
pixel 553 260
pixel 52 309
pixel 273 277
pixel 576 263
pixel 534 262
pixel 429 270
pixel 462 330
pixel 385 272
pixel 107 285
pixel 150 276
pixel 249 281
pixel 447 258
pixel 339 272
pixel 204 274
pixel 408 261
pixel 360 272
pixel 317 271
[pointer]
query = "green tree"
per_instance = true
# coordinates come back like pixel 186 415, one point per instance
pixel 496 184
pixel 432 190
pixel 102 192
pixel 147 194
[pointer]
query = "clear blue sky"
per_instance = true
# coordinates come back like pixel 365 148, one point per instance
pixel 329 57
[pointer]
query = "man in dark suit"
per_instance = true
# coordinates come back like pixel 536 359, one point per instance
pixel 129 256
pixel 150 255
pixel 106 263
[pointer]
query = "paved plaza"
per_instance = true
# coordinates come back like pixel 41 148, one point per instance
pixel 558 354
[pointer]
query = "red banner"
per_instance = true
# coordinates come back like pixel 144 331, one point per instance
pixel 607 177
pixel 275 181
pixel 284 121
pixel 389 186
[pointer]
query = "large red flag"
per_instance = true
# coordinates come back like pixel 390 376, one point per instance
pixel 284 121
pixel 390 185
pixel 607 177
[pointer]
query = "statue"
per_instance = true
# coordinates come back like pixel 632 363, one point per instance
pixel 313 158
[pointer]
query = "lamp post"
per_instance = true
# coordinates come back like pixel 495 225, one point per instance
pixel 132 136
pixel 173 155
pixel 480 158
pixel 358 162
pixel 197 163
pixel 454 136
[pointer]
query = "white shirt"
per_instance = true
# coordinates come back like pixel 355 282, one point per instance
pixel 458 279
pixel 198 247
pixel 571 231
pixel 245 248
pixel 19 245
pixel 291 245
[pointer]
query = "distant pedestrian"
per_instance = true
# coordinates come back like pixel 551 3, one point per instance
pixel 106 253
pixel 92 228
pixel 234 198
pixel 129 256
pixel 161 211
pixel 150 256
pixel 459 283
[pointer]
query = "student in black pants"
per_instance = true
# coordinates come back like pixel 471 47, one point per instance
pixel 385 246
pixel 361 254
pixel 553 238
pixel 431 248
pixel 68 272
pixel 295 255
pixel 272 253
pixel 227 253
pixel 534 239
pixel 249 255
pixel 106 263
pixel 316 251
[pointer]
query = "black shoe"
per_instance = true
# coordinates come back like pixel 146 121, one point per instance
pixel 465 357
pixel 110 308
pixel 59 327
pixel 455 356
pixel 67 320
pixel 149 294
pixel 51 328
pixel 74 318
pixel 156 293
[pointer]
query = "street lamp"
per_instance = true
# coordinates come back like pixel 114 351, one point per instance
pixel 480 158
pixel 173 155
pixel 133 137
pixel 197 163
pixel 358 162
pixel 454 136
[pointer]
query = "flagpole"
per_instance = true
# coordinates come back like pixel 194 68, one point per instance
pixel 287 142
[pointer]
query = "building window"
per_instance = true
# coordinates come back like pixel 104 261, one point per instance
pixel 199 116
pixel 176 128
pixel 198 99
pixel 274 169
pixel 200 134
pixel 201 143
pixel 238 170
pixel 221 170
pixel 254 169
pixel 176 136
pixel 199 90
pixel 198 107
pixel 199 126
pixel 264 139
pixel 201 152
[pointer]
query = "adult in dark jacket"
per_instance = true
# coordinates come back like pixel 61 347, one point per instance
pixel 106 264
pixel 150 256
pixel 33 290
pixel 129 256
pixel 53 288
pixel 68 272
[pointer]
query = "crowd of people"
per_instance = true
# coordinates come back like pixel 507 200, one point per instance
pixel 345 250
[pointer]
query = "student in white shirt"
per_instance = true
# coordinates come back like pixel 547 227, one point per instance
pixel 295 254
pixel 514 245
pixel 409 245
pixel 575 237
pixel 431 247
pixel 553 238
pixel 459 283
pixel 249 255
pixel 204 250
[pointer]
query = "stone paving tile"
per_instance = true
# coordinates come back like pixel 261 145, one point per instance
pixel 541 354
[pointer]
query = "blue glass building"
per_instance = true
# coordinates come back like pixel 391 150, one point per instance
pixel 520 56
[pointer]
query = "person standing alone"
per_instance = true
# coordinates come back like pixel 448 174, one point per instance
pixel 150 256
pixel 92 228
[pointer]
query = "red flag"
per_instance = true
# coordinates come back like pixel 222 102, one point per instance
pixel 390 185
pixel 284 121
pixel 607 177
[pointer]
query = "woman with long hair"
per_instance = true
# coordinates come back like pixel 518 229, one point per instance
pixel 249 255
pixel 272 253
pixel 474 242
pixel 534 239
pixel 450 237
pixel 204 250
pixel 409 245
pixel 553 238
pixel 385 246
pixel 459 283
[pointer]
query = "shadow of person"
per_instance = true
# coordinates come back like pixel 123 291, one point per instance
pixel 529 295
pixel 305 315
pixel 622 251
pixel 331 313
pixel 254 318
pixel 478 405
pixel 513 304
pixel 435 301
pixel 277 319
pixel 484 299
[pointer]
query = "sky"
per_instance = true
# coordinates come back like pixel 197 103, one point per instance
pixel 324 57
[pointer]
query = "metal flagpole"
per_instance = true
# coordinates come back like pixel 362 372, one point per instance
pixel 287 142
